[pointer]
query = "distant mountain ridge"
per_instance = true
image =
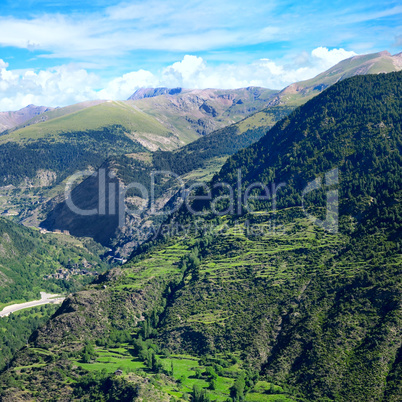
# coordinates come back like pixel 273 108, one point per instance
pixel 12 119
pixel 375 63
pixel 142 93
pixel 200 111
pixel 163 122
pixel 189 113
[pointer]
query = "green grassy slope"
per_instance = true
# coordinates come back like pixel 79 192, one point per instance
pixel 54 113
pixel 93 118
pixel 374 63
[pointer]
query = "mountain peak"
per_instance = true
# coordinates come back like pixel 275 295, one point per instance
pixel 384 53
pixel 374 63
pixel 11 119
pixel 142 93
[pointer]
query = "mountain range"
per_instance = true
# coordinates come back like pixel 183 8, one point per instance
pixel 203 157
pixel 294 296
pixel 195 112
pixel 276 278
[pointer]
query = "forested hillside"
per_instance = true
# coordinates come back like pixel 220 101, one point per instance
pixel 22 273
pixel 196 161
pixel 17 328
pixel 254 304
pixel 28 260
pixel 69 152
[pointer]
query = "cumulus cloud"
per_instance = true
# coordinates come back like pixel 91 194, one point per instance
pixel 182 73
pixel 61 85
pixel 69 84
pixel 194 72
pixel 122 87
pixel 327 58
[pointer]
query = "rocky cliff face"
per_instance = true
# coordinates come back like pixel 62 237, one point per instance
pixel 200 110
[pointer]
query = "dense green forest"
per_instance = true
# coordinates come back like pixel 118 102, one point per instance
pixel 64 154
pixel 22 273
pixel 357 131
pixel 257 305
pixel 16 329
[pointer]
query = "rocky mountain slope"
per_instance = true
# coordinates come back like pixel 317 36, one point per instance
pixel 9 120
pixel 152 92
pixel 201 110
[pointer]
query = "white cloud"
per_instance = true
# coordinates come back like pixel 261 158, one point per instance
pixel 186 72
pixel 69 84
pixel 328 58
pixel 61 85
pixel 173 26
pixel 194 72
pixel 156 25
pixel 123 87
pixel 3 64
pixel 162 25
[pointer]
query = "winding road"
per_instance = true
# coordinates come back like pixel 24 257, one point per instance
pixel 46 298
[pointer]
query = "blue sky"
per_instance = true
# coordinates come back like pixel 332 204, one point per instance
pixel 56 52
